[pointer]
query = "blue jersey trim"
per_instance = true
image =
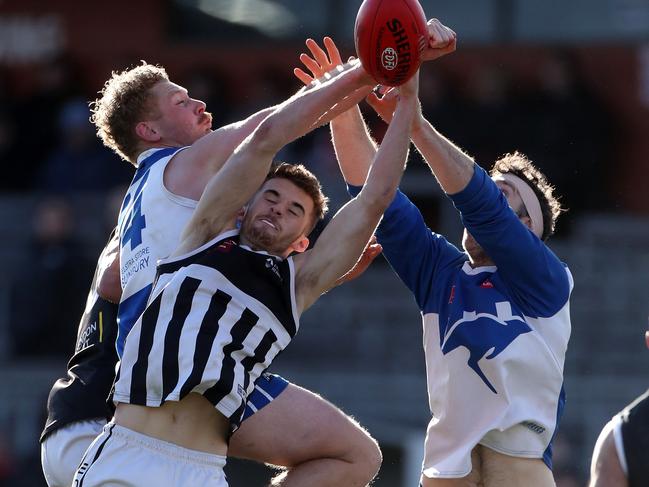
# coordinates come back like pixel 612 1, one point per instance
pixel 547 454
pixel 146 164
pixel 129 311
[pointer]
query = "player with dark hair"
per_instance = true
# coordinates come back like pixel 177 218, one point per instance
pixel 228 301
pixel 76 406
pixel 495 316
pixel 622 449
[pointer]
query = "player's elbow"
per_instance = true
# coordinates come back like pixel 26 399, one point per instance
pixel 109 286
pixel 377 199
pixel 267 137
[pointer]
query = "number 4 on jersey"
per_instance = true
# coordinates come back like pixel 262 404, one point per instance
pixel 136 220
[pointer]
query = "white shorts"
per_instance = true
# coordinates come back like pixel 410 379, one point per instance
pixel 62 450
pixel 122 457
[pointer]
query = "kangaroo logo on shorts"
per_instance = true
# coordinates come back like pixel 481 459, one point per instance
pixel 483 332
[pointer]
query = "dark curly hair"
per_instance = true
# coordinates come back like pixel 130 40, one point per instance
pixel 124 101
pixel 519 165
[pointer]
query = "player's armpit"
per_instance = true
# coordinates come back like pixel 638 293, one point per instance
pixel 371 251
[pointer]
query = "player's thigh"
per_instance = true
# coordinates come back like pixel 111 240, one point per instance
pixel 295 427
pixel 500 470
pixel 471 480
pixel 61 452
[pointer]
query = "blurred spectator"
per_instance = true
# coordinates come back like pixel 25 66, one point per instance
pixel 80 163
pixel 569 134
pixel 213 87
pixel 9 149
pixel 47 295
pixel 36 115
pixel 7 460
pixel 440 104
pixel 488 121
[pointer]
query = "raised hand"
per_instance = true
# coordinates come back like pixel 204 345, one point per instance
pixel 442 40
pixel 319 63
pixel 371 251
pixel 384 100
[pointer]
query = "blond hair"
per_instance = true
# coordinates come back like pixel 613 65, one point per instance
pixel 124 101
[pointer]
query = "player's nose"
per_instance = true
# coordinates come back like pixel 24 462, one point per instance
pixel 200 106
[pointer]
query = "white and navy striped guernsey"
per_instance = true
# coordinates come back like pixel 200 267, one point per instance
pixel 216 319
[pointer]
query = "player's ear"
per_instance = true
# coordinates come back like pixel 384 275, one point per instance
pixel 301 244
pixel 146 132
pixel 527 221
pixel 240 214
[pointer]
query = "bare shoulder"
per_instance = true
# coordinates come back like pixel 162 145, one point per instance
pixel 185 175
pixel 605 468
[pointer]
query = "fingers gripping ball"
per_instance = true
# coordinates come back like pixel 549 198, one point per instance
pixel 390 36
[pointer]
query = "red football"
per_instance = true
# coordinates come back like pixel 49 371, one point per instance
pixel 390 36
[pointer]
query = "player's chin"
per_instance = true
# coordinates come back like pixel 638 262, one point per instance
pixel 262 236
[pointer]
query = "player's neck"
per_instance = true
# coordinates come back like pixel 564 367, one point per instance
pixel 480 260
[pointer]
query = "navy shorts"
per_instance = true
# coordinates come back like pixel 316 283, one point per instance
pixel 267 388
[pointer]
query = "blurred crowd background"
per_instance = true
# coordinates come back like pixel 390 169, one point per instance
pixel 565 82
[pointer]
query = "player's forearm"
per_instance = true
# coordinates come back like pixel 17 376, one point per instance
pixel 353 145
pixel 452 167
pixel 389 162
pixel 313 107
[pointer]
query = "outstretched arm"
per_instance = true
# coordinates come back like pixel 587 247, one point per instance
pixel 354 147
pixel 352 142
pixel 189 169
pixel 343 240
pixel 246 169
pixel 450 165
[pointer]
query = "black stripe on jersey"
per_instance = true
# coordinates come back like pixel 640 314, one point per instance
pixel 138 375
pixel 239 332
pixel 205 340
pixel 259 356
pixel 267 279
pixel 182 307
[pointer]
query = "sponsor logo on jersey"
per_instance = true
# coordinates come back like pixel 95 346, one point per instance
pixel 484 333
pixel 452 295
pixel 84 338
pixel 536 428
pixel 134 264
pixel 226 246
pixel 487 284
pixel 272 265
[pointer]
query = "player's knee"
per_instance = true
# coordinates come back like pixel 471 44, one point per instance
pixel 374 459
pixel 367 456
